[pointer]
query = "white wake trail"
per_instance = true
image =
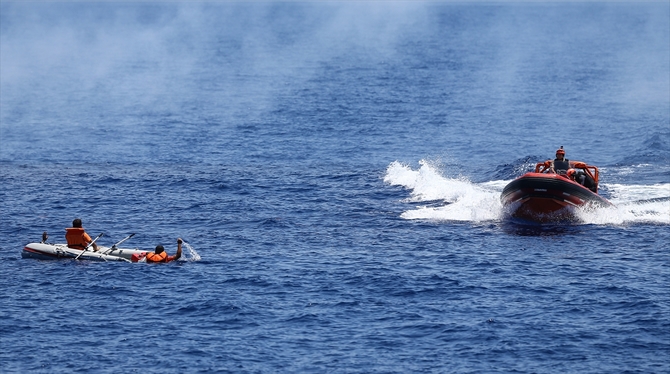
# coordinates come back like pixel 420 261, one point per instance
pixel 462 199
pixel 633 204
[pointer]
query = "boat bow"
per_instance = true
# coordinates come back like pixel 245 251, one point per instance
pixel 543 196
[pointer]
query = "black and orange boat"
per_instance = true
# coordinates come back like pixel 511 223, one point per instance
pixel 547 196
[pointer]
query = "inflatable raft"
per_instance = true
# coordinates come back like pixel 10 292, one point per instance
pixel 47 251
pixel 44 251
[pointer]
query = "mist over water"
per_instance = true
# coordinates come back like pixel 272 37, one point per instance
pixel 99 71
pixel 336 169
pixel 119 59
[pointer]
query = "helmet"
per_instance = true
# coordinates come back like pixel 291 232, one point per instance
pixel 571 173
pixel 560 151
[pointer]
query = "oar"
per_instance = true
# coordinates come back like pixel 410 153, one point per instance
pixel 89 244
pixel 113 247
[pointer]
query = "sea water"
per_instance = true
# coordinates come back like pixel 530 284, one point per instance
pixel 338 168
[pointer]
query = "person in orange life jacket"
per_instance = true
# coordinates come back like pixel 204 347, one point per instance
pixel 76 236
pixel 159 254
pixel 560 165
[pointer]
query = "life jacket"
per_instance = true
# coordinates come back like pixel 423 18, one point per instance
pixel 561 167
pixel 75 237
pixel 153 257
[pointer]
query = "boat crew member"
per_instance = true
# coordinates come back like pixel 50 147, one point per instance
pixel 76 236
pixel 582 178
pixel 159 254
pixel 561 164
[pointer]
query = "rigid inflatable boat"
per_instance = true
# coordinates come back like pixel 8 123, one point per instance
pixel 544 196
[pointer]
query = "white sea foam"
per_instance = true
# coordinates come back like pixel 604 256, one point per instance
pixel 633 204
pixel 463 200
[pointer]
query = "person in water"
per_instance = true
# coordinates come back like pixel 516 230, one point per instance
pixel 77 238
pixel 159 254
pixel 560 165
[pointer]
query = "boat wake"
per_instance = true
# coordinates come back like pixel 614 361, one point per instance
pixel 437 197
pixel 633 204
pixel 433 196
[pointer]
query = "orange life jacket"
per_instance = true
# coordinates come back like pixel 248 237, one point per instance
pixel 76 238
pixel 153 257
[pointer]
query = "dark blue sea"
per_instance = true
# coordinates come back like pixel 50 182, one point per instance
pixel 337 167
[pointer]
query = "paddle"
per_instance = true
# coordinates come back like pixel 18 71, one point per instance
pixel 89 244
pixel 113 247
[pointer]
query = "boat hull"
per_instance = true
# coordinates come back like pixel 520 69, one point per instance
pixel 43 251
pixel 547 197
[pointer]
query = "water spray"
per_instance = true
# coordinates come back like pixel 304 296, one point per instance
pixel 193 255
